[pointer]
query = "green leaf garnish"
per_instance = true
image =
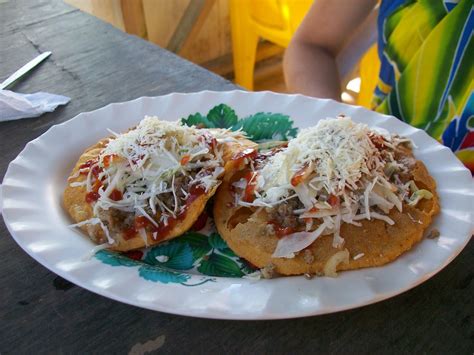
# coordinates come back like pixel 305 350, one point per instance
pixel 220 265
pixel 222 116
pixel 198 242
pixel 157 274
pixel 262 126
pixel 197 120
pixel 179 255
pixel 267 126
pixel 115 259
pixel 216 241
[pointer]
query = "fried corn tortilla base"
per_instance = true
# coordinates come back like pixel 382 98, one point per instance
pixel 244 231
pixel 77 207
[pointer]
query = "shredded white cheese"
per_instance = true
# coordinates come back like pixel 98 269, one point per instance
pixel 358 256
pixel 142 168
pixel 154 151
pixel 94 251
pixel 93 221
pixel 339 170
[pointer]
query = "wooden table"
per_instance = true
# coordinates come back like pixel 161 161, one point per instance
pixel 95 64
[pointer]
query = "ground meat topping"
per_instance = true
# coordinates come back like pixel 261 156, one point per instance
pixel 284 215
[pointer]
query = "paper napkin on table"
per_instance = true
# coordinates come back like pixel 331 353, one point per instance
pixel 14 106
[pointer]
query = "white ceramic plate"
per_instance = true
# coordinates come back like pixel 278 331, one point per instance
pixel 33 185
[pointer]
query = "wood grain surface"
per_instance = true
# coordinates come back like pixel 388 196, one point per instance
pixel 96 64
pixel 162 18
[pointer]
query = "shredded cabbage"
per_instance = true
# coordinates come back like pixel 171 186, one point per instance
pixel 418 195
pixel 340 171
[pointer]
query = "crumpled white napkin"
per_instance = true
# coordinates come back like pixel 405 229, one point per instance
pixel 14 106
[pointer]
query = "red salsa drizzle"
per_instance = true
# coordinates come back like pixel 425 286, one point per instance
pixel 281 231
pixel 92 196
pixel 212 143
pixel 96 186
pixel 91 165
pixel 208 139
pixel 238 160
pixel 141 222
pixel 263 156
pixel 108 159
pixel 185 159
pixel 248 195
pixel 333 200
pixel 138 223
pixel 249 192
pixel 300 175
pixel 129 233
pixel 194 192
pixel 116 195
pixel 249 153
pixel 163 229
pixel 86 165
pixel 96 170
pixel 200 222
pixel 377 140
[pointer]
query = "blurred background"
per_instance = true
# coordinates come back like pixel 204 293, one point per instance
pixel 241 40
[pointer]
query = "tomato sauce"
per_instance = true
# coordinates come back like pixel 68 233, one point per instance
pixel 333 200
pixel 249 153
pixel 200 222
pixel 141 222
pixel 96 186
pixel 92 196
pixel 96 170
pixel 377 140
pixel 263 156
pixel 132 232
pixel 249 192
pixel 281 231
pixel 208 139
pixel 300 175
pixel 91 165
pixel 194 192
pixel 129 233
pixel 185 159
pixel 116 195
pixel 86 165
pixel 163 229
pixel 108 159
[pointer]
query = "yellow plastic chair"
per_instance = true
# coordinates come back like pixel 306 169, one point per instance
pixel 273 20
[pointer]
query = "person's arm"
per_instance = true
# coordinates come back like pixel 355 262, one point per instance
pixel 310 59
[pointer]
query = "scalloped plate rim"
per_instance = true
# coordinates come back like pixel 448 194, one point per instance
pixel 206 314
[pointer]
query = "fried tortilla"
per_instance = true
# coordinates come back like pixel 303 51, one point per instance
pixel 127 226
pixel 250 230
